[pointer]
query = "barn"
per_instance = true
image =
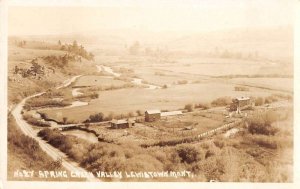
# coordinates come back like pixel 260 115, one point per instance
pixel 121 124
pixel 152 115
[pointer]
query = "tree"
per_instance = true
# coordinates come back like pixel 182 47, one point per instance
pixel 91 56
pixel 135 48
pixel 96 117
pixel 189 107
pixel 59 42
pixel 65 120
pixel 36 68
pixel 188 154
pixel 16 70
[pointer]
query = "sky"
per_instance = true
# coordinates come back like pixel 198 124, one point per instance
pixel 41 17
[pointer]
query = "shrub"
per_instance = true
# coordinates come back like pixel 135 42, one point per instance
pixel 139 113
pixel 95 118
pixel 130 114
pixel 241 88
pixel 270 99
pixel 219 143
pixel 92 95
pixel 188 154
pixel 189 107
pixel 222 101
pixel 202 105
pixel 34 121
pixel 259 101
pixel 264 141
pixel 159 73
pixel 44 102
pixel 262 124
pixel 182 82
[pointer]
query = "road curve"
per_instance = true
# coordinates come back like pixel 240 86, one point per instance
pixel 53 152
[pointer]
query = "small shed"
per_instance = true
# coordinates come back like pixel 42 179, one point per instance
pixel 240 103
pixel 121 124
pixel 152 115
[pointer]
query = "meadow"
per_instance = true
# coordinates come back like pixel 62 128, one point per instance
pixel 176 97
pixel 103 81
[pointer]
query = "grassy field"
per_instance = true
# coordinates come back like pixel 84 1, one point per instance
pixel 173 98
pixel 285 84
pixel 102 81
pixel 213 66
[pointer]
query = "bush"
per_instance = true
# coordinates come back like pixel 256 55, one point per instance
pixel 241 88
pixel 262 124
pixel 222 101
pixel 259 101
pixel 95 118
pixel 202 105
pixel 188 154
pixel 139 113
pixel 189 107
pixel 92 95
pixel 265 141
pixel 34 121
pixel 182 82
pixel 270 99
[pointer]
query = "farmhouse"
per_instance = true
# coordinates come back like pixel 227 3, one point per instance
pixel 121 124
pixel 152 115
pixel 240 103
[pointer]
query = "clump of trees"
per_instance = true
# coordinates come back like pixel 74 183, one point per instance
pixel 42 101
pixel 59 61
pixel 95 118
pixel 34 121
pixel 77 50
pixel 21 43
pixel 34 71
pixel 259 101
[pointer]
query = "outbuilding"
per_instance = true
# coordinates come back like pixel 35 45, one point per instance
pixel 240 103
pixel 152 115
pixel 121 124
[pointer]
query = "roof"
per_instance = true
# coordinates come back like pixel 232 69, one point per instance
pixel 153 111
pixel 120 121
pixel 242 98
pixel 171 113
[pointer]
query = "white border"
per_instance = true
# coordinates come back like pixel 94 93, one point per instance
pixel 3 103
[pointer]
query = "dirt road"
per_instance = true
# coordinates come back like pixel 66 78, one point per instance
pixel 54 153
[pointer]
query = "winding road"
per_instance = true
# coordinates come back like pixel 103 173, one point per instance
pixel 54 153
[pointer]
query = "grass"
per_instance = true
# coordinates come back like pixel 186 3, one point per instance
pixel 285 84
pixel 172 98
pixel 98 81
